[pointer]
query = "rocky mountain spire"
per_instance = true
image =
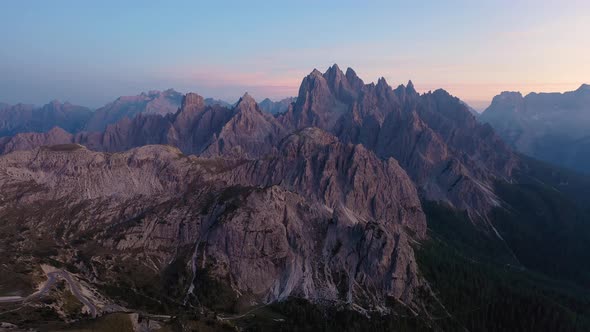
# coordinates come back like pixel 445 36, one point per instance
pixel 246 104
pixel 355 82
pixel 410 88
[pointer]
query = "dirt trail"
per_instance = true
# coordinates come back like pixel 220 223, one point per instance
pixel 52 277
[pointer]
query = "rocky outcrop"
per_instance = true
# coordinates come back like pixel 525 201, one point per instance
pixel 321 232
pixel 549 126
pixel 315 164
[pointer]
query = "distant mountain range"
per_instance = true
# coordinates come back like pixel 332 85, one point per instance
pixel 351 205
pixel 554 127
pixel 276 107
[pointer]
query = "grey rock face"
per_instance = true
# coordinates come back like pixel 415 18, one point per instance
pixel 315 164
pixel 249 133
pixel 331 239
pixel 434 137
pixel 321 201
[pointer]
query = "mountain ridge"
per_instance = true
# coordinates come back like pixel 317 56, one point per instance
pixel 548 126
pixel 359 197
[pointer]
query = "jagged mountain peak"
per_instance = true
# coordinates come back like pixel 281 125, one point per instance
pixel 246 103
pixel 334 67
pixel 246 98
pixel 382 83
pixel 56 104
pixel 333 72
pixel 353 79
pixel 350 73
pixel 315 72
pixel 410 87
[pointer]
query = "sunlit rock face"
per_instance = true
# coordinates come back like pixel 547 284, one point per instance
pixel 295 224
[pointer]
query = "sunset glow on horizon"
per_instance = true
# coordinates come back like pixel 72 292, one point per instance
pixel 89 54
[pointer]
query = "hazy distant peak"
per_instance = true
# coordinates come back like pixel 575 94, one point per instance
pixel 192 98
pixel 509 95
pixel 213 101
pixel 276 107
pixel 584 87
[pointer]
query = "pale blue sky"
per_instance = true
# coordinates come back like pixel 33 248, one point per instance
pixel 90 53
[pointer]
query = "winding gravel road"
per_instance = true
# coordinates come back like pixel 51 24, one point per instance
pixel 52 278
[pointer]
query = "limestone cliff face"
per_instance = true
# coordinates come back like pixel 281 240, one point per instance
pixel 321 232
pixel 249 133
pixel 434 137
pixel 315 164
